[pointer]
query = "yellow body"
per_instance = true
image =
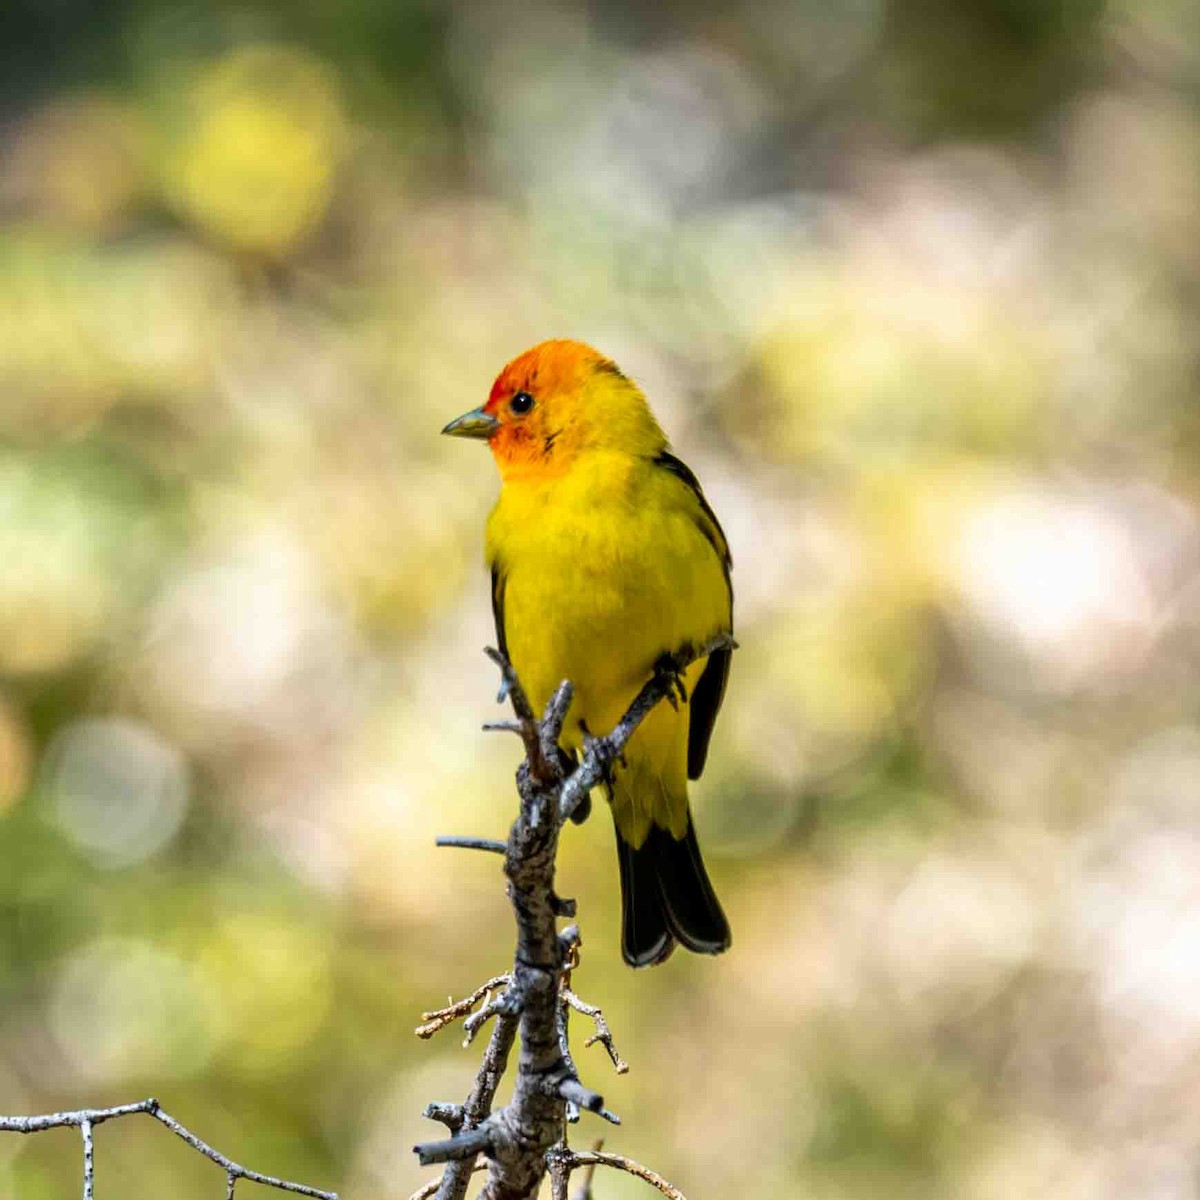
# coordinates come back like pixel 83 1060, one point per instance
pixel 608 564
pixel 605 556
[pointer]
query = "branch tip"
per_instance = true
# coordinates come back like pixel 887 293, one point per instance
pixel 574 1092
pixel 450 1115
pixel 503 727
pixel 441 1017
pixel 490 845
pixel 461 1146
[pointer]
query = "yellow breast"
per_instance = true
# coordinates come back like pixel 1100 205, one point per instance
pixel 605 569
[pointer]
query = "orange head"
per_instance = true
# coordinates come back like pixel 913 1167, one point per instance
pixel 556 402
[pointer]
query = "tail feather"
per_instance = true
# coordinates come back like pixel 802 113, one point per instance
pixel 666 897
pixel 645 938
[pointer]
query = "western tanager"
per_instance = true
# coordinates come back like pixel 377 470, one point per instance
pixel 604 556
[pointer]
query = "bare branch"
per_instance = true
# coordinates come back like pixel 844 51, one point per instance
pixel 503 727
pixel 476 1021
pixel 585 1158
pixel 234 1168
pixel 450 1115
pixel 540 765
pixel 558 1167
pixel 584 1189
pixel 571 1090
pixel 473 843
pixel 440 1018
pixel 457 1176
pixel 600 753
pixel 603 1034
pixel 89 1159
pixel 524 1139
pixel 462 1145
pixel 87 1118
pixel 510 687
pixel 430 1189
pixel 553 718
pixel 94 1116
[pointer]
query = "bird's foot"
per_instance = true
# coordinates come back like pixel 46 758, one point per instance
pixel 669 675
pixel 606 756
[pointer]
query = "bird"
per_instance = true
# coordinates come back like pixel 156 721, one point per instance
pixel 605 557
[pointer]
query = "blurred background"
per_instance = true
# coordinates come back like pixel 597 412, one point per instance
pixel 912 284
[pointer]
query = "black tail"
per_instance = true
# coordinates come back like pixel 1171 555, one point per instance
pixel 666 897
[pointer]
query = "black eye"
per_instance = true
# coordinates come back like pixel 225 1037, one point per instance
pixel 522 402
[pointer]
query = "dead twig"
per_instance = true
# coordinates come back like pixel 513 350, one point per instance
pixel 603 1034
pixel 86 1119
pixel 440 1018
pixel 584 1190
pixel 594 1158
pixel 490 845
pixel 430 1189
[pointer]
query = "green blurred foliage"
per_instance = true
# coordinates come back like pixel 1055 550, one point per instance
pixel 913 286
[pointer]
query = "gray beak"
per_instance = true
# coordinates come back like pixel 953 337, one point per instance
pixel 473 424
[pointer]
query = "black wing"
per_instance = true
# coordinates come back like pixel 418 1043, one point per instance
pixel 498 607
pixel 710 688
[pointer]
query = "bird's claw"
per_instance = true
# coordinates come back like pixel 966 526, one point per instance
pixel 606 757
pixel 670 676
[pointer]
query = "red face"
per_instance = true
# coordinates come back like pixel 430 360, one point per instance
pixel 533 398
pixel 548 405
